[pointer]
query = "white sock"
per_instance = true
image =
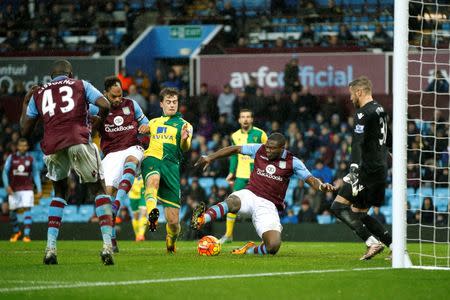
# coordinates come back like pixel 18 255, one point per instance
pixel 371 240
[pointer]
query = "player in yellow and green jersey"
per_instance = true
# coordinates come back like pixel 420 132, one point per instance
pixel 137 204
pixel 170 136
pixel 242 165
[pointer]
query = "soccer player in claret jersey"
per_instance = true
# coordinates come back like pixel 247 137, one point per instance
pixel 120 145
pixel 63 106
pixel 170 136
pixel 241 165
pixel 264 195
pixel 365 184
pixel 18 175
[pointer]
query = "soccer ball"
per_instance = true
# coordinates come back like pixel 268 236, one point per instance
pixel 209 246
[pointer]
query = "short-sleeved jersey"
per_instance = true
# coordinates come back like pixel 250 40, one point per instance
pixel 270 178
pixel 63 106
pixel 137 190
pixel 242 165
pixel 370 134
pixel 20 172
pixel 165 138
pixel 120 129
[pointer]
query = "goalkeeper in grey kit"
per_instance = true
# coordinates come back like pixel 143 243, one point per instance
pixel 364 186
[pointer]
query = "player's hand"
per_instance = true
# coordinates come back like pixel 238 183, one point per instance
pixel 9 190
pixel 327 187
pixel 353 178
pixel 185 132
pixel 38 195
pixel 144 128
pixel 230 178
pixel 203 161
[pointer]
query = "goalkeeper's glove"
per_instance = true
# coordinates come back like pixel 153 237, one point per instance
pixel 353 178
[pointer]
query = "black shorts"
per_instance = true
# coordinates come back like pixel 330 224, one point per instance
pixel 371 195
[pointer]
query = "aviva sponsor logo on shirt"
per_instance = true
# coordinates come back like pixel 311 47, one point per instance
pixel 163 135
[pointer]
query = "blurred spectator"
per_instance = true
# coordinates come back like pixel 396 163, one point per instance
pixel 102 43
pixel 322 172
pixel 197 192
pixel 222 126
pixel 225 102
pixel 427 213
pixel 250 88
pixel 134 95
pixel 54 41
pixel 378 215
pixel 240 103
pixel 207 103
pixel 344 35
pixel 142 83
pixel 172 81
pixel 156 83
pixel 332 13
pixel 205 127
pixel 291 77
pixel 306 213
pixel 154 109
pixel 278 108
pixel 299 192
pixel 125 79
pixel 439 83
pixel 380 38
pixel 307 37
pixel 290 218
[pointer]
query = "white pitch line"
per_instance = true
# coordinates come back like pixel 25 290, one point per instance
pixel 177 279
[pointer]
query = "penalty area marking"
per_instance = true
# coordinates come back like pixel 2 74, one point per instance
pixel 54 285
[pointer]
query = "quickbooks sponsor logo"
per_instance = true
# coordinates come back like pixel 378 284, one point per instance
pixel 264 174
pixel 309 76
pixel 112 128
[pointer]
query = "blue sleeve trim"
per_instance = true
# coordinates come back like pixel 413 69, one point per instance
pixel 93 109
pixel 250 149
pixel 92 93
pixel 32 111
pixel 300 169
pixel 5 174
pixel 37 177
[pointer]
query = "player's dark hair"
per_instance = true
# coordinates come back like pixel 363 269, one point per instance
pixel 278 137
pixel 363 83
pixel 111 81
pixel 61 67
pixel 168 91
pixel 244 110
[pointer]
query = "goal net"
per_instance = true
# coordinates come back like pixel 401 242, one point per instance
pixel 426 124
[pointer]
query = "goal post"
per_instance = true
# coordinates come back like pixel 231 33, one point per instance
pixel 421 137
pixel 399 132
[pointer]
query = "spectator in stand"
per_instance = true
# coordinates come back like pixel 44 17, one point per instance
pixel 310 12
pixel 205 127
pixel 439 83
pixel 173 81
pixel 427 213
pixel 413 174
pixel 308 105
pixel 330 107
pixel 229 15
pixel 306 213
pixel 103 43
pixel 279 44
pixel 322 171
pixel 125 79
pixel 378 215
pixel 380 38
pixel 299 192
pixel 258 105
pixel 225 102
pixel 142 83
pixel 291 77
pixel 278 108
pixel 34 40
pixel 134 95
pixel 197 193
pixel 345 37
pixel 54 40
pixel 223 126
pixel 294 107
pixel 207 103
pixel 242 42
pixel 250 88
pixel 332 13
pixel 11 42
pixel 290 218
pixel 156 83
pixel 154 109
pixel 307 37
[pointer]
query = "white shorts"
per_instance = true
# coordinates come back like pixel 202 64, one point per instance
pixel 264 213
pixel 21 199
pixel 113 164
pixel 84 159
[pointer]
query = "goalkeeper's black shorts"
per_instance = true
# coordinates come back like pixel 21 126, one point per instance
pixel 370 194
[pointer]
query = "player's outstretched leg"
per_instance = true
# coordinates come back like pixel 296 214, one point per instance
pixel 228 236
pixel 15 226
pixel 151 195
pixel 214 212
pixel 104 213
pixel 173 230
pixel 55 214
pixel 126 182
pixel 377 229
pixel 27 221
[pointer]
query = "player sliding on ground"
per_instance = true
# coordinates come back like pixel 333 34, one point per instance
pixel 264 195
pixel 364 185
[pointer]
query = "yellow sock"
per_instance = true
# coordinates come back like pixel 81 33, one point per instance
pixel 171 233
pixel 150 195
pixel 135 224
pixel 142 225
pixel 231 218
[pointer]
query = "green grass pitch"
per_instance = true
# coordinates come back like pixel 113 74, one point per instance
pixel 145 271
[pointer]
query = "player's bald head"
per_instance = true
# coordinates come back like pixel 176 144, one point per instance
pixel 278 138
pixel 61 67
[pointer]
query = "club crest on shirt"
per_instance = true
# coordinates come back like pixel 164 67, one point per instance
pixel 126 110
pixel 282 165
pixel 21 168
pixel 255 139
pixel 271 169
pixel 27 163
pixel 118 120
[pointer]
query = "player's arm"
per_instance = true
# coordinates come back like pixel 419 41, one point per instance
pixel 29 114
pixel 186 137
pixel 233 165
pixel 301 171
pixel 249 149
pixel 140 118
pixel 5 175
pixel 96 98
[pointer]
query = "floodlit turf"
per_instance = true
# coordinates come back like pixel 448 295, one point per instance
pixel 145 271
